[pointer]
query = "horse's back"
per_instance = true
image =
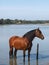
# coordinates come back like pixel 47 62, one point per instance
pixel 12 39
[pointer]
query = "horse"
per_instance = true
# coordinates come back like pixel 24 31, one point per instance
pixel 25 42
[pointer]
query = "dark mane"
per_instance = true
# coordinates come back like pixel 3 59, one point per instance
pixel 30 35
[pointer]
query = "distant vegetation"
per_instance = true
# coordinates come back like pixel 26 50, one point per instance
pixel 16 21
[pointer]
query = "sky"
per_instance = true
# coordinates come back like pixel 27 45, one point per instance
pixel 24 9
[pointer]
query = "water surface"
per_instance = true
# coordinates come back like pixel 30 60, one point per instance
pixel 6 31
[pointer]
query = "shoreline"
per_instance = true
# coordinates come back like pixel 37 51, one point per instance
pixel 27 24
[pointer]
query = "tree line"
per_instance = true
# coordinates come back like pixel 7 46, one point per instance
pixel 16 21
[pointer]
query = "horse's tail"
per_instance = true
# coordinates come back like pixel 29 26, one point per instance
pixel 11 44
pixel 11 47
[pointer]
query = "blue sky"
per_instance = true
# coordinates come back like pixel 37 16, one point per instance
pixel 24 9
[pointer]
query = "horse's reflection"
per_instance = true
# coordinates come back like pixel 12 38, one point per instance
pixel 29 62
pixel 10 61
pixel 13 61
pixel 36 61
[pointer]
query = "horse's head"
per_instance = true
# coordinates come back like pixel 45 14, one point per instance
pixel 39 34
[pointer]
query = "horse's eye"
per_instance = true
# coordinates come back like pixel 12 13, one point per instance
pixel 40 32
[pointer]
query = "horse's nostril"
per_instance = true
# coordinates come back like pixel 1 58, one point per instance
pixel 42 37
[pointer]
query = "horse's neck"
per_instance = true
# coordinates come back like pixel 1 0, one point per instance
pixel 30 35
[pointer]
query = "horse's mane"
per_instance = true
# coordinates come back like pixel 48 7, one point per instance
pixel 30 35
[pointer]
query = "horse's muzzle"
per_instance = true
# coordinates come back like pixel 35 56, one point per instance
pixel 42 37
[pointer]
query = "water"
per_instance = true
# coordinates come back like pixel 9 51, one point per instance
pixel 6 31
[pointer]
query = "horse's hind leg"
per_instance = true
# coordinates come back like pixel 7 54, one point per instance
pixel 11 52
pixel 15 53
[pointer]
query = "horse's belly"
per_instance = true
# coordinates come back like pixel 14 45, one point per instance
pixel 20 45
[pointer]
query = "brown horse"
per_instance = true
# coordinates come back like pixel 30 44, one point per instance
pixel 24 43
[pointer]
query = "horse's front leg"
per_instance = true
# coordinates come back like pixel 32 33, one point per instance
pixel 29 50
pixel 29 54
pixel 24 55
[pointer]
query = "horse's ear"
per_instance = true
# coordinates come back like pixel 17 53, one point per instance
pixel 38 28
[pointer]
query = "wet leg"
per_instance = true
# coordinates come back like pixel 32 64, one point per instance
pixel 29 50
pixel 15 53
pixel 11 52
pixel 24 56
pixel 28 55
